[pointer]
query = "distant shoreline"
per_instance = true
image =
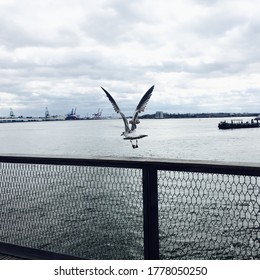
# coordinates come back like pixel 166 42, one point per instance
pixel 146 116
pixel 199 115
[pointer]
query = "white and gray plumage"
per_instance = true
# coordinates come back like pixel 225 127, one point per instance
pixel 130 133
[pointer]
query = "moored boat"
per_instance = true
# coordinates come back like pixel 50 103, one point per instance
pixel 234 124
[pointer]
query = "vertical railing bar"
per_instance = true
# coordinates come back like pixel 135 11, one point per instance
pixel 150 212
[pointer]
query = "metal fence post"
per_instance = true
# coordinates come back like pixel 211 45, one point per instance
pixel 150 204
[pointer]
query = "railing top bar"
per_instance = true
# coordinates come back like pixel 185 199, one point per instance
pixel 131 162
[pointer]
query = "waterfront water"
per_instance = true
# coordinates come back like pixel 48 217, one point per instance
pixel 96 212
pixel 190 139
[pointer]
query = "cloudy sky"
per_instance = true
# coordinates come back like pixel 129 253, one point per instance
pixel 201 55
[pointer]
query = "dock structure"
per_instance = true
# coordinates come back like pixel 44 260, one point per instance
pixel 72 115
pixel 20 120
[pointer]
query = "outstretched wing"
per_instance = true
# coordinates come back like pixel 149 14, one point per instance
pixel 113 102
pixel 117 110
pixel 141 106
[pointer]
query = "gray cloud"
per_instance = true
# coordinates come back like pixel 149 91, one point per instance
pixel 201 55
pixel 115 22
pixel 207 2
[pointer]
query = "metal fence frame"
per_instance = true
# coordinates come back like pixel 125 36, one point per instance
pixel 149 169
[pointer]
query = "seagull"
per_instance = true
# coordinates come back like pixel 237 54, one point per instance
pixel 130 133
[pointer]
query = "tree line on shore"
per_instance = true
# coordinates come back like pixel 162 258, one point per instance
pixel 199 115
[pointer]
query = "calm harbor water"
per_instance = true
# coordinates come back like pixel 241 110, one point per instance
pixel 190 139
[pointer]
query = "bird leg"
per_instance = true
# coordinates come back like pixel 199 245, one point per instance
pixel 134 145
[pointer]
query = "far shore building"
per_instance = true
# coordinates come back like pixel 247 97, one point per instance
pixel 159 115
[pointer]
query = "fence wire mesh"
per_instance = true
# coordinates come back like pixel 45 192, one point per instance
pixel 208 216
pixel 89 212
pixel 96 212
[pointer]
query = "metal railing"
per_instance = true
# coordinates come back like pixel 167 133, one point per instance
pixel 128 209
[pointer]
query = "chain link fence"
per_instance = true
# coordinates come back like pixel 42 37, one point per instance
pixel 97 212
pixel 209 216
pixel 89 212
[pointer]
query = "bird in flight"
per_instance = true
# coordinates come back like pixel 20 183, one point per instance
pixel 130 133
